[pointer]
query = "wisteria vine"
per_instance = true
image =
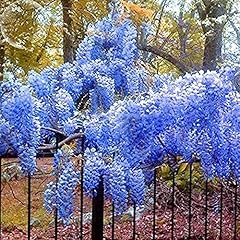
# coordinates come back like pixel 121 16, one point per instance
pixel 131 125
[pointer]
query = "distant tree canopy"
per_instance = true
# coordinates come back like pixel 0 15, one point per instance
pixel 36 34
pixel 175 36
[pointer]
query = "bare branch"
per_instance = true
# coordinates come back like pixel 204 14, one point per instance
pixel 236 30
pixel 162 7
pixel 14 196
pixel 65 141
pixel 157 51
pixel 53 130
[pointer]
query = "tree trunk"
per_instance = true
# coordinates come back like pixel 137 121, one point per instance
pixel 212 25
pixel 212 51
pixel 68 50
pixel 2 47
pixel 2 59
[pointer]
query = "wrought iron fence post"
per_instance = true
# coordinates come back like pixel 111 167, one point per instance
pixel 154 202
pixel 134 221
pixel 206 211
pixel 173 205
pixel 56 208
pixel 190 201
pixel 97 212
pixel 221 211
pixel 113 220
pixel 235 210
pixel 81 190
pixel 0 198
pixel 29 206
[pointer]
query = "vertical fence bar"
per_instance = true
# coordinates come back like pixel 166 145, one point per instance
pixel 173 204
pixel 221 209
pixel 97 212
pixel 0 198
pixel 134 221
pixel 113 220
pixel 81 204
pixel 190 202
pixel 206 211
pixel 235 211
pixel 56 209
pixel 154 202
pixel 81 189
pixel 29 206
pixel 113 214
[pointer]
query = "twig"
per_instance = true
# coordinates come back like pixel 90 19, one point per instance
pixel 65 141
pixel 53 130
pixel 14 194
pixel 40 191
pixel 9 163
pixel 170 58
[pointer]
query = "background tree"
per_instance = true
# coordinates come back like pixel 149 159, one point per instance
pixel 68 51
pixel 213 16
pixel 44 32
pixel 2 48
pixel 199 26
pixel 31 36
pixel 77 16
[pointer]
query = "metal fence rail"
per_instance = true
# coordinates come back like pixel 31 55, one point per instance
pixel 98 211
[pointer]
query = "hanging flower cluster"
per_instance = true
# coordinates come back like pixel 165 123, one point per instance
pixel 20 124
pixel 105 66
pixel 60 194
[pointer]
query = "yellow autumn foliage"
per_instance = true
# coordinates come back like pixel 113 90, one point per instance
pixel 33 34
pixel 187 44
pixel 86 12
pixel 32 38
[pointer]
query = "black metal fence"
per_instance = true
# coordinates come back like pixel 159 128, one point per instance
pixel 97 232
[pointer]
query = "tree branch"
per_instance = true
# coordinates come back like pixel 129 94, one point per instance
pixel 65 141
pixel 14 196
pixel 157 51
pixel 53 130
pixel 201 12
pixel 236 30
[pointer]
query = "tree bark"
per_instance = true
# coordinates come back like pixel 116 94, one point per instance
pixel 2 47
pixel 170 58
pixel 2 58
pixel 68 49
pixel 212 26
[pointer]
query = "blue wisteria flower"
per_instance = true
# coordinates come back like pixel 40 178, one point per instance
pixel 60 194
pixel 94 168
pixel 4 136
pixel 116 186
pixel 137 186
pixel 43 84
pixel 20 110
pixel 71 79
pixel 106 65
pixel 67 182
